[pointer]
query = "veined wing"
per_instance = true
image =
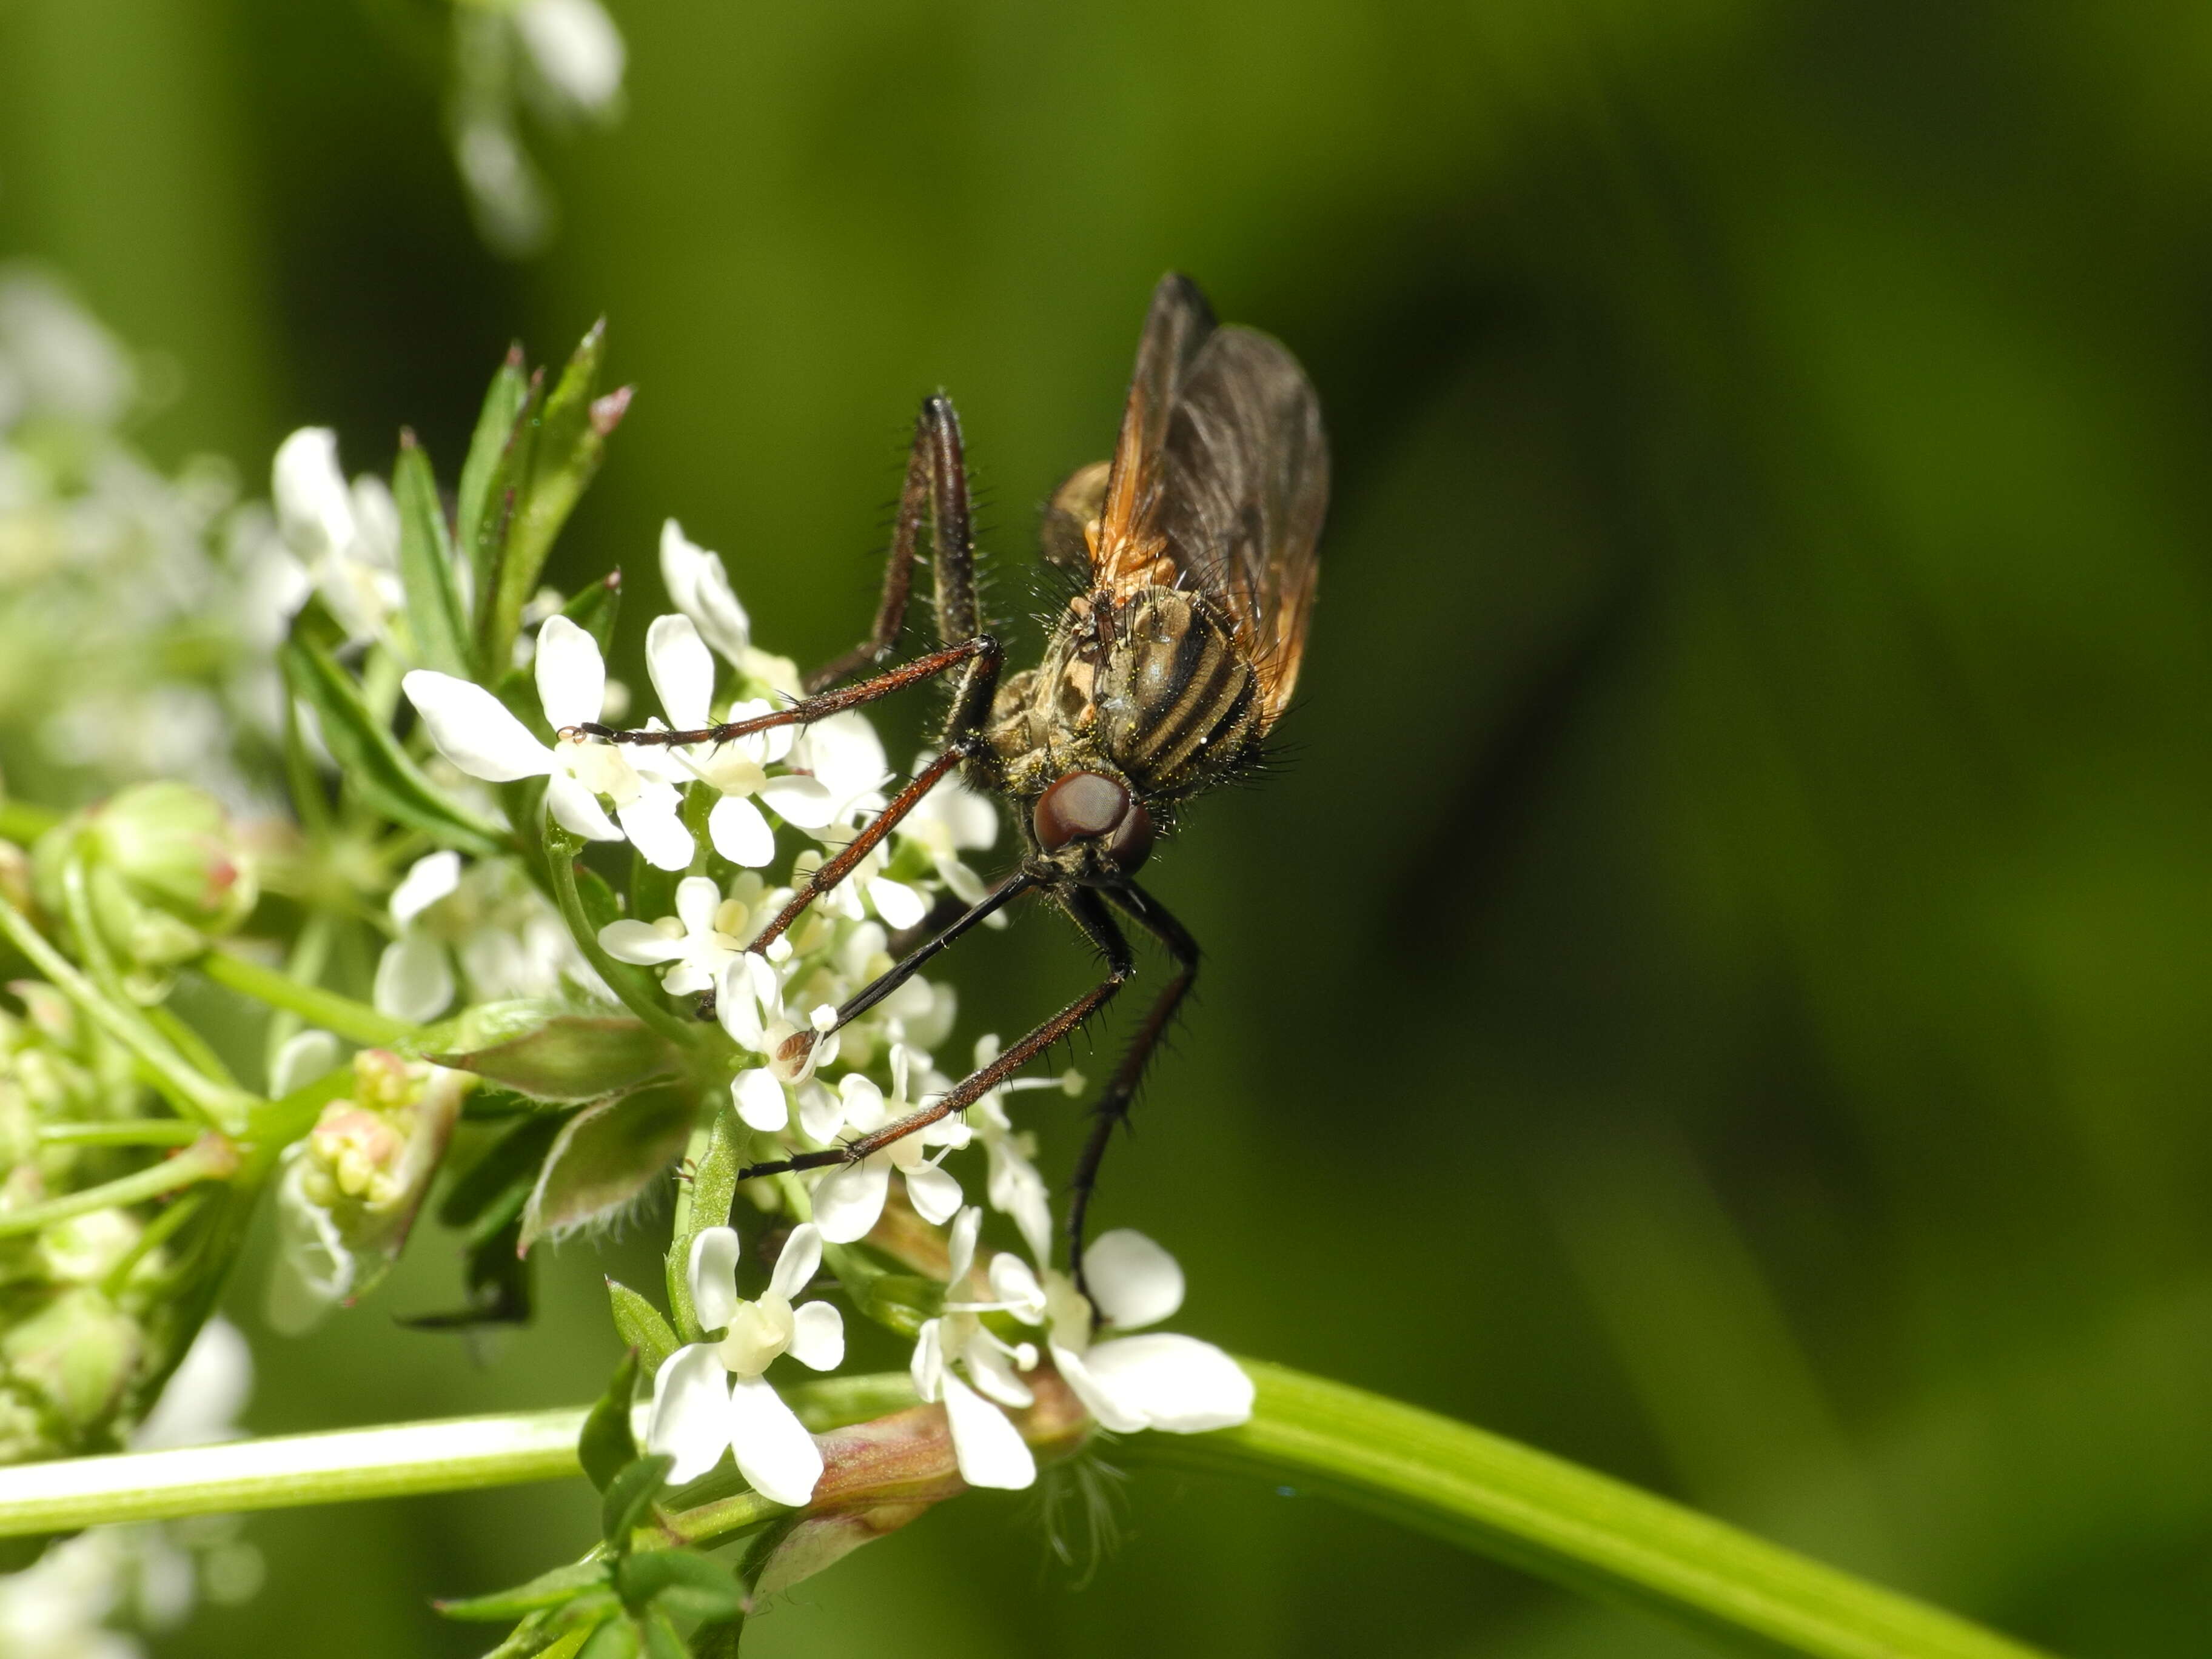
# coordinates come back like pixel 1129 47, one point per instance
pixel 1219 480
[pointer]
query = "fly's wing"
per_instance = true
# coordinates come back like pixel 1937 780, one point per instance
pixel 1220 481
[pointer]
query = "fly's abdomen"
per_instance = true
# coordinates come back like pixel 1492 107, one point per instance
pixel 1177 704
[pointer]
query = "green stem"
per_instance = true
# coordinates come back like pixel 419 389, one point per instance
pixel 210 1158
pixel 226 1108
pixel 356 1022
pixel 126 1132
pixel 560 864
pixel 1578 1528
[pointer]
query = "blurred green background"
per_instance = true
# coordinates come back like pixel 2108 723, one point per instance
pixel 1719 990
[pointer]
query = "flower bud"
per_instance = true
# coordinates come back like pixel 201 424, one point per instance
pixel 164 868
pixel 73 1357
pixel 350 1190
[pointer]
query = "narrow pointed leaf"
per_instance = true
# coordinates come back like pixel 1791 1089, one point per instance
pixel 617 1638
pixel 374 765
pixel 639 1323
pixel 661 1640
pixel 437 610
pixel 607 1447
pixel 686 1584
pixel 502 407
pixel 549 1589
pixel 629 1497
pixel 502 586
pixel 574 1057
pixel 606 1156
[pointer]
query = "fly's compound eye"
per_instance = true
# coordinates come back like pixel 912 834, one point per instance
pixel 1091 806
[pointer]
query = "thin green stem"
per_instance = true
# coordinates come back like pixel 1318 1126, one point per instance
pixel 210 1157
pixel 225 1108
pixel 356 1022
pixel 1570 1524
pixel 125 1132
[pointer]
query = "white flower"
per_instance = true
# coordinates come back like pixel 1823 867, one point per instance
pixel 989 1450
pixel 1161 1381
pixel 847 1199
pixel 415 975
pixel 575 49
pixel 475 732
pixel 710 1396
pixel 347 537
pixel 1015 1187
pixel 699 586
pixel 951 820
pixel 697 942
pixel 683 674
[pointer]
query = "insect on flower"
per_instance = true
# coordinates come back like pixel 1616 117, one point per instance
pixel 1194 551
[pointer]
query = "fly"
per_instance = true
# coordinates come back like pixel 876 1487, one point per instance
pixel 1194 549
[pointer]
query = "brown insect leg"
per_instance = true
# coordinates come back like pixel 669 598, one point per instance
pixel 836 869
pixel 1090 915
pixel 1113 1107
pixel 936 486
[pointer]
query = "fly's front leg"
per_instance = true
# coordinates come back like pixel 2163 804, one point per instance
pixel 1090 915
pixel 1121 1093
pixel 936 488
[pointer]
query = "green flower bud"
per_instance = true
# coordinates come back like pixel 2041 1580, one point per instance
pixel 85 1248
pixel 15 875
pixel 75 1357
pixel 164 869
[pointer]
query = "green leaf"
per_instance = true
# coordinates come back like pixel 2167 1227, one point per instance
pixel 492 1190
pixel 629 1497
pixel 502 407
pixel 437 611
pixel 661 1641
pixel 573 1057
pixel 639 1323
pixel 682 1582
pixel 549 1589
pixel 595 609
pixel 617 1638
pixel 704 1202
pixel 374 766
pixel 605 1156
pixel 555 448
pixel 605 1447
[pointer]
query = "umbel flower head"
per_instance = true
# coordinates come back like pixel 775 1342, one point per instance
pixel 712 1397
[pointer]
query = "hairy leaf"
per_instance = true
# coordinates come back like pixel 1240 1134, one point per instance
pixel 639 1323
pixel 573 1057
pixel 605 1156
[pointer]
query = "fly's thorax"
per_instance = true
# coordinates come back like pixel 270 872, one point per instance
pixel 1152 685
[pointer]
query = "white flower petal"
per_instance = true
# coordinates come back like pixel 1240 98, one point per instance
pixel 413 979
pixel 305 1056
pixel 655 830
pixel 984 1444
pixel 639 943
pixel 992 1369
pixel 736 1006
pixel 821 1113
pixel 740 834
pixel 847 1200
pixel 475 730
pixel 690 1419
pixel 799 801
pixel 315 509
pixel 1178 1383
pixel 682 670
pixel 429 880
pixel 1133 1282
pixel 936 1196
pixel 774 1451
pixel 844 753
pixel 575 47
pixel 1101 1401
pixel 712 1273
pixel 800 1260
pixel 698 898
pixel 760 1103
pixel 817 1336
pixel 960 1247
pixel 1016 1288
pixel 864 1102
pixel 577 809
pixel 572 678
pixel 927 1368
pixel 700 589
pixel 898 904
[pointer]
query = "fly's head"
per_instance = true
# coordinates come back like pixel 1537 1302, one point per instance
pixel 1091 828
